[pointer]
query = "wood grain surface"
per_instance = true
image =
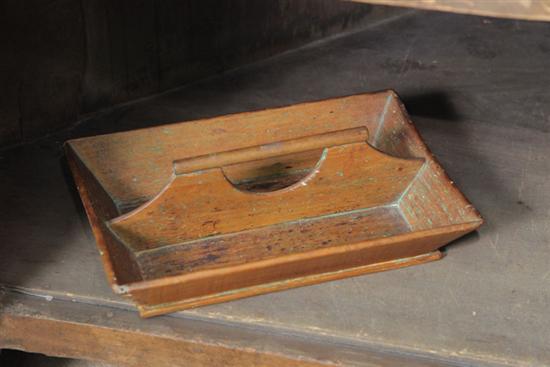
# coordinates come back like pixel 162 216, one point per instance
pixel 120 338
pixel 201 239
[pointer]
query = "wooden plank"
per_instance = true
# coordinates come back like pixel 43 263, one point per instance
pixel 66 329
pixel 515 9
pixel 477 92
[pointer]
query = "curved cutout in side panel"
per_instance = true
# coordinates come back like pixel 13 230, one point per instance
pixel 197 205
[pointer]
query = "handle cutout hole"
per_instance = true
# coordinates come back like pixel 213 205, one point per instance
pixel 274 173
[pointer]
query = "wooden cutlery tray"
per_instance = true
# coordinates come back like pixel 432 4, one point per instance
pixel 208 211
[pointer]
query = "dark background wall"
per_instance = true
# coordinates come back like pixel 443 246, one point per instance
pixel 66 59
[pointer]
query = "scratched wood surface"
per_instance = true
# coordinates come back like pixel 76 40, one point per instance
pixel 515 9
pixel 92 332
pixel 239 243
pixel 477 90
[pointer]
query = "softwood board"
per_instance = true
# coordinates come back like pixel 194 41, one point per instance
pixel 515 9
pixel 477 91
pixel 115 336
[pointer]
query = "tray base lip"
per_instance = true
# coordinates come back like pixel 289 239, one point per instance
pixel 160 309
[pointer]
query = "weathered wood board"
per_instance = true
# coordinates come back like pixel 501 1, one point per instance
pixel 198 238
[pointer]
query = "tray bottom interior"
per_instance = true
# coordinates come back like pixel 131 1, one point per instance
pixel 273 241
